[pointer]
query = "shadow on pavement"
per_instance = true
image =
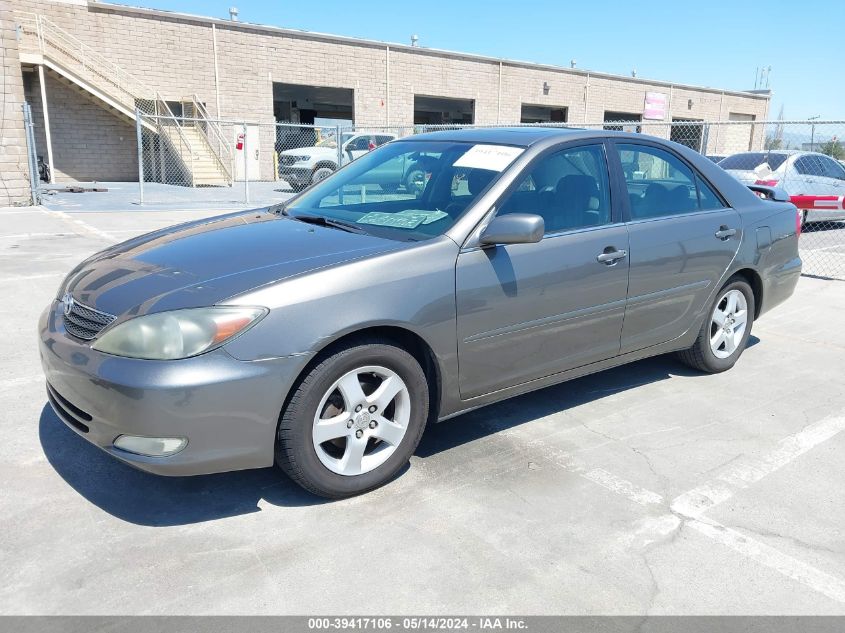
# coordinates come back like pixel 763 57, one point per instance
pixel 151 500
pixel 145 499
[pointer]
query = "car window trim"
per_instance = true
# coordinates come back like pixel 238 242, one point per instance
pixel 626 203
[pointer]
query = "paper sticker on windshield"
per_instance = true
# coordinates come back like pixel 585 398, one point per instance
pixel 430 216
pixel 492 157
pixel 395 220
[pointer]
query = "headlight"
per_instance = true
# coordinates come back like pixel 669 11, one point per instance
pixel 301 159
pixel 177 334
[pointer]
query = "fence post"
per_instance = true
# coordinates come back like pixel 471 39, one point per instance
pixel 246 167
pixel 139 137
pixel 339 149
pixel 31 160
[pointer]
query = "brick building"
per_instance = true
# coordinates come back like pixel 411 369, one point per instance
pixel 92 63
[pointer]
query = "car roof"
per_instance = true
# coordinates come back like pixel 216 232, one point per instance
pixel 769 151
pixel 519 136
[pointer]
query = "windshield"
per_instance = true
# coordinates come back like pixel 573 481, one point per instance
pixel 332 141
pixel 749 161
pixel 407 190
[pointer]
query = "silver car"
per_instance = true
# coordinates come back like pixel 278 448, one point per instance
pixel 796 172
pixel 324 334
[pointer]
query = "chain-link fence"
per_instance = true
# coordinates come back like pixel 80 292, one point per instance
pixel 185 155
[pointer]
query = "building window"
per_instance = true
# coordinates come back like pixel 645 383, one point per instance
pixel 687 132
pixel 624 121
pixel 443 110
pixel 543 114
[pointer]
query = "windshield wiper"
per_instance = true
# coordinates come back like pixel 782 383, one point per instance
pixel 320 220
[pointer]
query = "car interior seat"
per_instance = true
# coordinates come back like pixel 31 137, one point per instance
pixel 576 202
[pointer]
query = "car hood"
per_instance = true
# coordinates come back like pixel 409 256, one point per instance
pixel 205 262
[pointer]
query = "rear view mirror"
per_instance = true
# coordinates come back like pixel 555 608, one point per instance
pixel 513 228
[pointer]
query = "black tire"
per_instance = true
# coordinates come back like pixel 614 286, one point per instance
pixel 700 356
pixel 295 452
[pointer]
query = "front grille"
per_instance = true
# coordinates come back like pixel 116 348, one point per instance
pixel 84 322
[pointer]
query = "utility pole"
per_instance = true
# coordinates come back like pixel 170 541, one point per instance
pixel 813 131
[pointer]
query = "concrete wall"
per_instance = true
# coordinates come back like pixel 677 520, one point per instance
pixel 14 168
pixel 176 55
pixel 89 141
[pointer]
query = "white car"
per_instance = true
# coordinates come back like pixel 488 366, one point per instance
pixel 798 173
pixel 305 165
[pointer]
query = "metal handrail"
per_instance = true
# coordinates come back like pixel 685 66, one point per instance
pixel 119 84
pixel 223 145
pixel 50 37
pixel 182 138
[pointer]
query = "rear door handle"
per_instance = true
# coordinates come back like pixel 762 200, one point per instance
pixel 610 257
pixel 724 232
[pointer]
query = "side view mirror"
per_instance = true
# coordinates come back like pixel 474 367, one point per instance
pixel 513 228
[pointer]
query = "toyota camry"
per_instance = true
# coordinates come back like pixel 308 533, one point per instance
pixel 323 334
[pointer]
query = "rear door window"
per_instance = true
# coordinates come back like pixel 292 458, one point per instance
pixel 659 183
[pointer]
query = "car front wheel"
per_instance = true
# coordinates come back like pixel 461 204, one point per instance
pixel 725 331
pixel 354 421
pixel 321 173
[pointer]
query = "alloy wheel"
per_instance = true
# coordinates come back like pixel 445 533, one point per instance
pixel 728 323
pixel 361 419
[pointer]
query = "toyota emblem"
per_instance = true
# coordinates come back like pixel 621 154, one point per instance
pixel 67 299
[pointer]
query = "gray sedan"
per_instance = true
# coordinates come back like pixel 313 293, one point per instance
pixel 325 333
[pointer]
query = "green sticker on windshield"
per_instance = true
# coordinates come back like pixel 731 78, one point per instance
pixel 394 220
pixel 430 216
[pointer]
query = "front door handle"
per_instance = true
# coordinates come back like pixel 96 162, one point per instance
pixel 724 232
pixel 610 257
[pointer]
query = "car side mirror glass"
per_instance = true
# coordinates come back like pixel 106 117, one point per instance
pixel 513 228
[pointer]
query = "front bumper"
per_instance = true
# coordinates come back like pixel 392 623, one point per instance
pixel 296 175
pixel 227 408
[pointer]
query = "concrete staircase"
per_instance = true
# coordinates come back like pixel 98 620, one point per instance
pixel 195 148
pixel 192 145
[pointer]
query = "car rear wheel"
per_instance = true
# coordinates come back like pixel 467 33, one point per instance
pixel 354 421
pixel 724 333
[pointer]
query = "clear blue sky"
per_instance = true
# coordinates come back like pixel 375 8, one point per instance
pixel 713 43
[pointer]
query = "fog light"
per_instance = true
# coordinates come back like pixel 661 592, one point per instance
pixel 150 446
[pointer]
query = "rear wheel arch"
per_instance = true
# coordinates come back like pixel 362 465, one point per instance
pixel 752 277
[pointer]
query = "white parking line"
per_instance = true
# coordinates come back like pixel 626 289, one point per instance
pixel 13 383
pixel 92 230
pixel 798 570
pixel 623 487
pixel 19 236
pixel 695 502
pixel 28 277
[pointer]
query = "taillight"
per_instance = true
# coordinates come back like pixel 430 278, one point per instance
pixel 767 183
pixel 799 216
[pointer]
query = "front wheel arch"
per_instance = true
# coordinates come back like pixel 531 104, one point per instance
pixel 403 338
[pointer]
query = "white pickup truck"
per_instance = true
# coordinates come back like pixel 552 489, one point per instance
pixel 305 165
